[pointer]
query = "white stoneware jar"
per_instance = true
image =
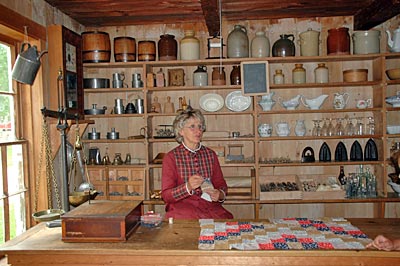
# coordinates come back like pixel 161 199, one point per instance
pixel 260 45
pixel 190 46
pixel 321 73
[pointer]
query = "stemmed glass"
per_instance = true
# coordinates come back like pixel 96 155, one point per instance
pixel 359 126
pixel 350 129
pixel 324 128
pixel 331 129
pixel 371 125
pixel 339 130
pixel 317 128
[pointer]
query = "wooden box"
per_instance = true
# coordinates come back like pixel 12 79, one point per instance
pixel 280 195
pixel 101 221
pixel 318 180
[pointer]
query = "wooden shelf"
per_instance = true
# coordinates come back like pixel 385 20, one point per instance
pixel 247 121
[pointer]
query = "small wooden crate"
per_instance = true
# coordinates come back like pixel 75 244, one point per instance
pixel 101 221
pixel 280 195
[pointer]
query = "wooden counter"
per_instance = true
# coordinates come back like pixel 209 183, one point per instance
pixel 177 244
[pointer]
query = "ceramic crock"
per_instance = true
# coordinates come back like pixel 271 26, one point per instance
pixel 309 43
pixel 338 41
pixel 238 42
pixel 366 42
pixel 190 46
pixel 260 45
pixel 167 47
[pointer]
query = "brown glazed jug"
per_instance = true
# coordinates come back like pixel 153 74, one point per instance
pixel 338 42
pixel 167 48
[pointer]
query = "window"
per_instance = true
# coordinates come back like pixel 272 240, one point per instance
pixel 12 154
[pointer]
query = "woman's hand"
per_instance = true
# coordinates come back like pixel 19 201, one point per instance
pixel 214 193
pixel 195 181
pixel 382 243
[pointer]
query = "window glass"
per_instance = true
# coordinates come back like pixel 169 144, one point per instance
pixel 7 112
pixel 17 215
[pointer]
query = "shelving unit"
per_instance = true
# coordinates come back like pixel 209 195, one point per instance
pixel 255 148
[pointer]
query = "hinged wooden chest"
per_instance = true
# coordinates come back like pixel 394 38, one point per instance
pixel 101 221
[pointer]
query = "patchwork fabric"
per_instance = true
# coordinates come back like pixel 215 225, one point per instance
pixel 281 234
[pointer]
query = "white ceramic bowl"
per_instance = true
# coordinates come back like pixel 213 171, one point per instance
pixel 395 187
pixel 393 129
pixel 211 102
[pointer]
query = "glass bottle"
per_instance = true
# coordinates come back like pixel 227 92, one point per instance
pixel 235 75
pixel 279 77
pixel 299 74
pixel 342 177
pixel 321 74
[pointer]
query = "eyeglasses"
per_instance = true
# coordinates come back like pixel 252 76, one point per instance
pixel 198 127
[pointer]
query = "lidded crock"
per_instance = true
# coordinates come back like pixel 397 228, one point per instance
pixel 309 43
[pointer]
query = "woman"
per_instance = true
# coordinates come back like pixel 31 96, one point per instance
pixel 193 186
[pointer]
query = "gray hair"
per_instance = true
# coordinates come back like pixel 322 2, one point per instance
pixel 181 119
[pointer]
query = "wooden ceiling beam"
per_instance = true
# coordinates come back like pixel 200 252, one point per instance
pixel 211 16
pixel 376 13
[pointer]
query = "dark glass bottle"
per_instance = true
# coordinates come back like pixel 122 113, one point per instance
pixel 342 177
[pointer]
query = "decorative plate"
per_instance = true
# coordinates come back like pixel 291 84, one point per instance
pixel 211 102
pixel 235 101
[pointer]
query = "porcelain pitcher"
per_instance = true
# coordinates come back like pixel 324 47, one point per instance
pixel 282 129
pixel 394 43
pixel 340 100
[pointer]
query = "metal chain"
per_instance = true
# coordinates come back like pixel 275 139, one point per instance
pixel 42 146
pixel 73 165
pixel 52 174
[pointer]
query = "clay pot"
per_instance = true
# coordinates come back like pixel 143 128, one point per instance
pixel 167 48
pixel 338 41
pixel 218 76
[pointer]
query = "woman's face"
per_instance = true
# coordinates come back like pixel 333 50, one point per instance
pixel 192 132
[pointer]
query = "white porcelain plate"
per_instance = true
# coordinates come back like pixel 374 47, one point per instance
pixel 235 101
pixel 211 102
